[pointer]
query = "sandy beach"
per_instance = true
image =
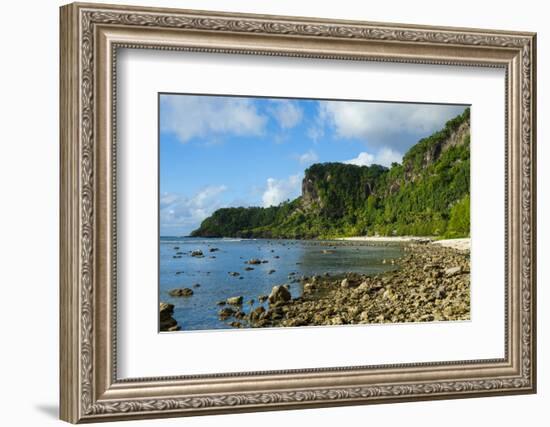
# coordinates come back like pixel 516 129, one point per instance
pixel 458 244
pixel 462 244
pixel 387 239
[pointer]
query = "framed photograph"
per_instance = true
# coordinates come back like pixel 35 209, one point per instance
pixel 266 212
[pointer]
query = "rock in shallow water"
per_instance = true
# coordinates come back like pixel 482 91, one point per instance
pixel 411 293
pixel 167 322
pixel 262 298
pixel 238 300
pixel 226 312
pixel 181 292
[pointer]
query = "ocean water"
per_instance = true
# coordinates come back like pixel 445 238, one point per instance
pixel 211 272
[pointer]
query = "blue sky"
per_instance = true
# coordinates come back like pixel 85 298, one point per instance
pixel 243 151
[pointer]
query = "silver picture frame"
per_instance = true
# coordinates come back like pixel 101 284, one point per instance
pixel 90 37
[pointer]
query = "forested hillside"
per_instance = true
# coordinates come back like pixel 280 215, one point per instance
pixel 428 194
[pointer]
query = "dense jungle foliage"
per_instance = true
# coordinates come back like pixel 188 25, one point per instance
pixel 427 195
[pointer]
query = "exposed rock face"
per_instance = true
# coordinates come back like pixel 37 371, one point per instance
pixel 309 192
pixel 433 153
pixel 167 322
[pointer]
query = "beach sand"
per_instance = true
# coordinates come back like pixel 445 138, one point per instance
pixel 462 244
pixel 459 244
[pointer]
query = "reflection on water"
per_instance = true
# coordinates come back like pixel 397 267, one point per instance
pixel 287 260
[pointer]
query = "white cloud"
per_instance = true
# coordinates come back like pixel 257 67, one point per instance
pixel 188 212
pixel 383 123
pixel 190 116
pixel 362 159
pixel 287 113
pixel 385 157
pixel 308 157
pixel 316 132
pixel 279 190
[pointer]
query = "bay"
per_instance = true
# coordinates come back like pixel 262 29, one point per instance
pixel 290 259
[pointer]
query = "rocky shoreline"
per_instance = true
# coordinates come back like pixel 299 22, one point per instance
pixel 431 283
pixel 167 322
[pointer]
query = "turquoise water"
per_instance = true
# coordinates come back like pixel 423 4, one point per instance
pixel 286 257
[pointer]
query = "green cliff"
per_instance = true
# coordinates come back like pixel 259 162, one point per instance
pixel 428 194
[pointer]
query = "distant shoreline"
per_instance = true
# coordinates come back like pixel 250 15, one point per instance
pixel 461 244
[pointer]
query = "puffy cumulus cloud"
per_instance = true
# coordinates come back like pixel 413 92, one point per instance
pixel 308 157
pixel 288 114
pixel 385 157
pixel 380 123
pixel 186 213
pixel 191 116
pixel 279 190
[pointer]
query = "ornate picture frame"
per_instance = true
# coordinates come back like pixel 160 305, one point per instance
pixel 90 37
